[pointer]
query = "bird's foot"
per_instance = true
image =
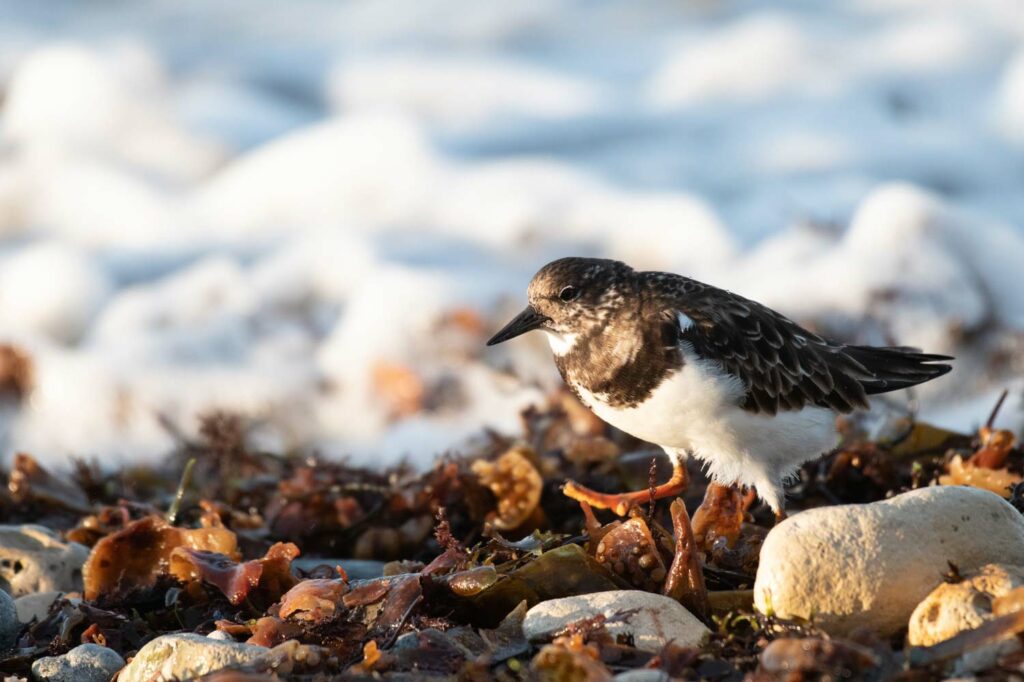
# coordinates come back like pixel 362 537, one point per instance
pixel 621 503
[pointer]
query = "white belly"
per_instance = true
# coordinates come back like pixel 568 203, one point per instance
pixel 697 410
pixel 678 410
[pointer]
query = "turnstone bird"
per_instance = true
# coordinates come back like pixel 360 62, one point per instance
pixel 703 371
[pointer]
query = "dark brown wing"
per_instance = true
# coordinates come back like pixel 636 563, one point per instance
pixel 782 365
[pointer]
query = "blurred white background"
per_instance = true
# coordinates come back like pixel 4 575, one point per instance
pixel 314 212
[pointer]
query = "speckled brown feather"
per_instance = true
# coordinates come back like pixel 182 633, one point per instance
pixel 629 340
pixel 782 365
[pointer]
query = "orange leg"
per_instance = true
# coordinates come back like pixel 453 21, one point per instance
pixel 621 503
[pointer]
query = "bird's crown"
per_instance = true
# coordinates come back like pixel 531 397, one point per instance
pixel 568 279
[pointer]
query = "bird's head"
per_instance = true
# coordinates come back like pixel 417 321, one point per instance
pixel 570 297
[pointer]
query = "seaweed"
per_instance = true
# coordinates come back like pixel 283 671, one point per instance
pixel 472 543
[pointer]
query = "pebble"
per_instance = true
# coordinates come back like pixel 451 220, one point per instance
pixel 35 606
pixel 356 569
pixel 220 636
pixel 186 656
pixel 952 608
pixel 642 675
pixel 658 620
pixel 85 663
pixel 9 623
pixel 868 566
pixel 35 559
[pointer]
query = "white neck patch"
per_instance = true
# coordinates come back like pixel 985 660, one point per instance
pixel 560 343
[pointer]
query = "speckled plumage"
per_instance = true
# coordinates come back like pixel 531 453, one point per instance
pixel 698 369
pixel 628 332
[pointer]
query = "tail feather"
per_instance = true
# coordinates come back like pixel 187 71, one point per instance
pixel 895 367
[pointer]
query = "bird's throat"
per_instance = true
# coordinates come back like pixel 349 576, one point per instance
pixel 561 344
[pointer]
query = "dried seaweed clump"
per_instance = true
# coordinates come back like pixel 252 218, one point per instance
pixel 236 580
pixel 516 483
pixel 31 483
pixel 137 555
pixel 450 603
pixel 988 467
pixel 629 550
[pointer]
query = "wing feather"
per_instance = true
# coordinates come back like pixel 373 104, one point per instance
pixel 782 365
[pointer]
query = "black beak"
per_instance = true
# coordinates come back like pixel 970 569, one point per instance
pixel 526 321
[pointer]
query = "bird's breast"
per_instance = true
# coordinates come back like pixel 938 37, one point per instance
pixel 623 362
pixel 674 412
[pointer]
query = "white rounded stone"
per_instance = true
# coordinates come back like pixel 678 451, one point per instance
pixel 186 656
pixel 85 663
pixel 34 559
pixel 657 621
pixel 220 636
pixel 35 606
pixel 642 675
pixel 868 566
pixel 952 608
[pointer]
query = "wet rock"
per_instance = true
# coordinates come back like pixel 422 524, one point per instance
pixel 952 608
pixel 85 663
pixel 657 619
pixel 984 657
pixel 642 675
pixel 35 606
pixel 868 566
pixel 819 658
pixel 34 559
pixel 186 656
pixel 356 569
pixel 9 623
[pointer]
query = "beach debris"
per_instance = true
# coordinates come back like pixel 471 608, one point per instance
pixel 516 483
pixel 456 562
pixel 137 555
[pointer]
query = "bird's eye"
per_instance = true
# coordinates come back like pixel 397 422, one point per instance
pixel 569 294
